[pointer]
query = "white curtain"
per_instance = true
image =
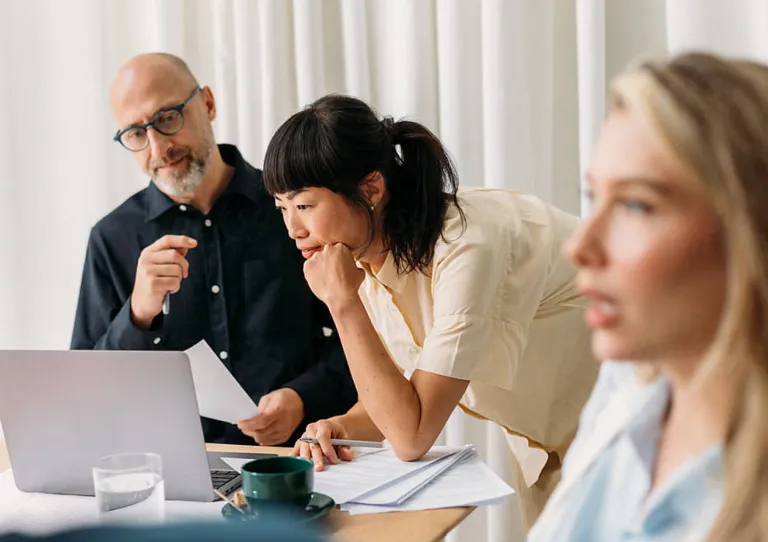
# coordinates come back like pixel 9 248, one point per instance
pixel 516 89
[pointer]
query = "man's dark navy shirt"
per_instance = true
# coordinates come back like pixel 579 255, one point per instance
pixel 245 295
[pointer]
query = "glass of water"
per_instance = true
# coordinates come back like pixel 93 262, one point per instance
pixel 130 488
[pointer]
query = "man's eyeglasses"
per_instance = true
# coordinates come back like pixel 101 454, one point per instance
pixel 167 122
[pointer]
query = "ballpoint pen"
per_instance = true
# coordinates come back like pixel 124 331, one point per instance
pixel 167 303
pixel 345 442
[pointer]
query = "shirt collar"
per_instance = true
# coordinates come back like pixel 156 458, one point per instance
pixel 387 275
pixel 644 430
pixel 695 487
pixel 246 181
pixel 156 203
pixel 691 497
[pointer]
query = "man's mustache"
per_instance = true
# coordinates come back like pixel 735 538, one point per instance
pixel 173 156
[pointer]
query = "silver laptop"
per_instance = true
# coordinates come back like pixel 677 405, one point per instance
pixel 63 410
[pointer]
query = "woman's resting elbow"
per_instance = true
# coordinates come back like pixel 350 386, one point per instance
pixel 409 452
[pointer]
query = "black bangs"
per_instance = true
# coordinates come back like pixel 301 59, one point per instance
pixel 306 152
pixel 294 159
pixel 334 143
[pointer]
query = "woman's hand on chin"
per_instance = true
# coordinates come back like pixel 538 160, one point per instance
pixel 333 275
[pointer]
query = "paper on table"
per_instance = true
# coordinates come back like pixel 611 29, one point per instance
pixel 469 483
pixel 398 492
pixel 40 513
pixel 349 480
pixel 235 462
pixel 219 395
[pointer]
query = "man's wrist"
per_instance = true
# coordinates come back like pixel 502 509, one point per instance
pixel 139 320
pixel 297 400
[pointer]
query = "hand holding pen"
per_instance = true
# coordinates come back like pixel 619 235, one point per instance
pixel 316 444
pixel 161 268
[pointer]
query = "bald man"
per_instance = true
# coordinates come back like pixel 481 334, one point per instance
pixel 205 235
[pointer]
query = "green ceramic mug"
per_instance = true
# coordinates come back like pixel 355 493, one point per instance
pixel 282 481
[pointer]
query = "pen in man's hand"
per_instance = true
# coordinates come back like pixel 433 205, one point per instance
pixel 167 303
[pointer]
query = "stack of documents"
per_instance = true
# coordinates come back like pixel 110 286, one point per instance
pixel 377 481
pixel 468 482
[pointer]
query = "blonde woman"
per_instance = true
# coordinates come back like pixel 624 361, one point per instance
pixel 674 444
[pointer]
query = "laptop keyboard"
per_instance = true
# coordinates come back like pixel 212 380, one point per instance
pixel 225 481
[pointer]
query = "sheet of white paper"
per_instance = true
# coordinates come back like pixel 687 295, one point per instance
pixel 235 462
pixel 354 479
pixel 469 483
pixel 39 513
pixel 219 395
pixel 405 488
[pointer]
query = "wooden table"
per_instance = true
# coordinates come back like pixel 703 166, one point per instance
pixel 423 526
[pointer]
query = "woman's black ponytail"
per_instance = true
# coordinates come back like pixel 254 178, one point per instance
pixel 421 183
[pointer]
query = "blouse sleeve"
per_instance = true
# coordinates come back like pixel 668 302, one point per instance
pixel 487 284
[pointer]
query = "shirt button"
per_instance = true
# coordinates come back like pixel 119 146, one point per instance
pixel 157 340
pixel 215 289
pixel 208 223
pixel 223 354
pixel 183 207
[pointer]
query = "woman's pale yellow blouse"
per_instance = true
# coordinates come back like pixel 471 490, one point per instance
pixel 499 309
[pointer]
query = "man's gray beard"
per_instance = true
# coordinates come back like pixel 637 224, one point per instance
pixel 191 180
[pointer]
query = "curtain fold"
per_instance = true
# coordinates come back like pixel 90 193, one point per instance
pixel 736 27
pixel 590 31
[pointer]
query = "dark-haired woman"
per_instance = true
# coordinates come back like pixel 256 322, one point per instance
pixel 441 298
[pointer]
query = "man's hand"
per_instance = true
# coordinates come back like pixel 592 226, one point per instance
pixel 280 413
pixel 162 266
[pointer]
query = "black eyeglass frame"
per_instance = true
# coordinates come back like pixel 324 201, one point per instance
pixel 179 108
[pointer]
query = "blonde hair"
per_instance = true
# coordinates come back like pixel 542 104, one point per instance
pixel 712 114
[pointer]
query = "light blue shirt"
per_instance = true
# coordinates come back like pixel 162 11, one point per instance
pixel 604 491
